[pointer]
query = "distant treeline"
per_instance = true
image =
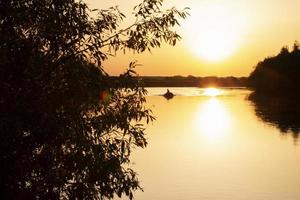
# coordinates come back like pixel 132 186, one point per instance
pixel 192 81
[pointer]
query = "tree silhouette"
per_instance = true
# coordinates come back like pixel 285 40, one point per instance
pixel 276 85
pixel 278 74
pixel 67 128
pixel 296 47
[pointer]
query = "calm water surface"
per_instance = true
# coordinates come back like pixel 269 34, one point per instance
pixel 217 147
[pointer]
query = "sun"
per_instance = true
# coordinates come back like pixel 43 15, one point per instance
pixel 214 32
pixel 215 45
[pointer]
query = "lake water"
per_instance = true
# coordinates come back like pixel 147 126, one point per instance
pixel 219 146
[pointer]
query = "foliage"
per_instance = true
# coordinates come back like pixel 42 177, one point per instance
pixel 276 84
pixel 67 128
pixel 278 74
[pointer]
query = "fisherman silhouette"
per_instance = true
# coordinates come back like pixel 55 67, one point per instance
pixel 168 94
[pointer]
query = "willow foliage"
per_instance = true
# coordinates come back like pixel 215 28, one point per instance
pixel 67 127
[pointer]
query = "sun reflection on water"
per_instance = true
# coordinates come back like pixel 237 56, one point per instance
pixel 212 119
pixel 212 92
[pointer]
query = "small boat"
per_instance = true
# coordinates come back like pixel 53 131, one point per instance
pixel 168 94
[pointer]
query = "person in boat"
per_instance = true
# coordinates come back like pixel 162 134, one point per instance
pixel 168 94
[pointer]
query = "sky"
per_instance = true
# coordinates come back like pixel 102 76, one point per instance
pixel 219 38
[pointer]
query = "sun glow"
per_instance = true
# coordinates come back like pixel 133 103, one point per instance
pixel 214 32
pixel 212 92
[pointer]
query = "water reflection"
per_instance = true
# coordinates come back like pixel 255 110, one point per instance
pixel 280 111
pixel 213 120
pixel 214 148
pixel 212 92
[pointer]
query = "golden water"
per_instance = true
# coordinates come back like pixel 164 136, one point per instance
pixel 207 147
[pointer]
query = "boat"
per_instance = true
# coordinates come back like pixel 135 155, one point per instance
pixel 168 94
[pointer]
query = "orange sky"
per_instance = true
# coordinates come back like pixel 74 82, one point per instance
pixel 221 37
